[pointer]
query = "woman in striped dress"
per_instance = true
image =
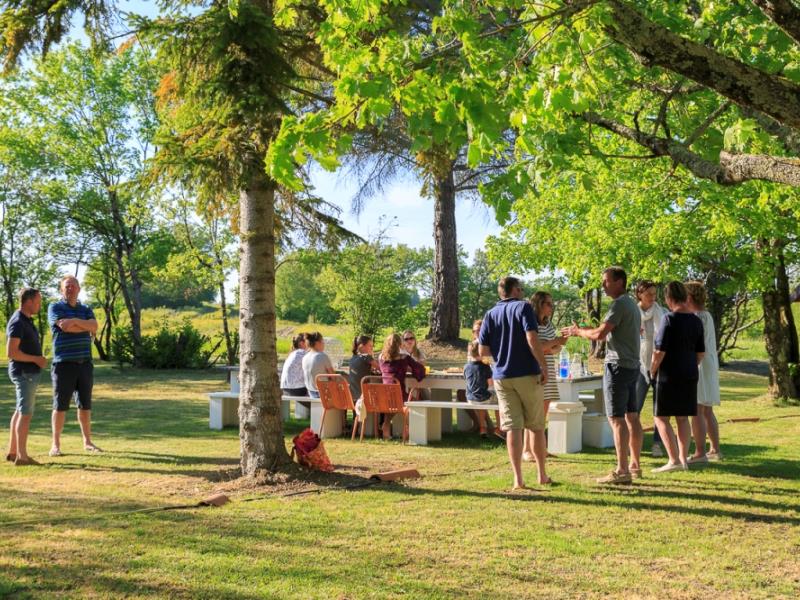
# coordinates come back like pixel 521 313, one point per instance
pixel 551 343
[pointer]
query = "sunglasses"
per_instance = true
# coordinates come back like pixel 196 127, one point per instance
pixel 408 339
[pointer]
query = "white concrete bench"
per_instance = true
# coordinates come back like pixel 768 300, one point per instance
pixel 425 418
pixel 223 409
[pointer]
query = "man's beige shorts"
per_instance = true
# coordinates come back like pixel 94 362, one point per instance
pixel 521 402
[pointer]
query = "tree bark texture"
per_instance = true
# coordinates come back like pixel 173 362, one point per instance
pixel 780 334
pixel 784 14
pixel 657 46
pixel 732 169
pixel 445 322
pixel 260 427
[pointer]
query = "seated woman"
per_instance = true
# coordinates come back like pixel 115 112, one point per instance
pixel 679 349
pixel 395 365
pixel 409 346
pixel 315 362
pixel 478 376
pixel 362 364
pixel 293 381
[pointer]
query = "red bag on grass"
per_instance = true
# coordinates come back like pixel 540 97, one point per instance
pixel 311 451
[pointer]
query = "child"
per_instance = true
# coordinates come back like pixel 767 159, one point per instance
pixel 479 377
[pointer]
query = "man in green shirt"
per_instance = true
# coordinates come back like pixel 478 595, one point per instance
pixel 622 329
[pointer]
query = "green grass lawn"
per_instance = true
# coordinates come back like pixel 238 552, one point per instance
pixel 729 530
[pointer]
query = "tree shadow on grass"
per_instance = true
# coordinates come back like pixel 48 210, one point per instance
pixel 623 502
pixel 211 475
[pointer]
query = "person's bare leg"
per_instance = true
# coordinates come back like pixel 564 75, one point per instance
pixel 684 437
pixel 712 427
pixel 540 453
pixel 699 432
pixel 387 426
pixel 12 437
pixel 636 436
pixel 22 426
pixel 85 421
pixel 528 446
pixel 621 442
pixel 481 416
pixel 668 439
pixel 57 423
pixel 514 445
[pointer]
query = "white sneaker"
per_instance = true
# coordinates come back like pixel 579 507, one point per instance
pixel 657 451
pixel 671 467
pixel 697 459
pixel 528 457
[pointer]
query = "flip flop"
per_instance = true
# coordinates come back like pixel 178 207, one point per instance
pixel 92 448
pixel 55 452
pixel 548 482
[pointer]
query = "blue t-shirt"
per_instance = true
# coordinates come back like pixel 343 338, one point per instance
pixel 22 327
pixel 70 347
pixel 477 376
pixel 504 330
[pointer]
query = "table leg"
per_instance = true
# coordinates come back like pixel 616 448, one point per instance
pixel 301 410
pixel 447 414
pixel 333 421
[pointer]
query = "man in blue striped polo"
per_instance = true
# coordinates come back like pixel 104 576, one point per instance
pixel 73 325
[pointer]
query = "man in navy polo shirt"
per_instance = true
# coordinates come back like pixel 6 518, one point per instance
pixel 25 364
pixel 73 325
pixel 509 335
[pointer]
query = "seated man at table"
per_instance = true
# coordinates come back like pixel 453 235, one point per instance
pixel 478 376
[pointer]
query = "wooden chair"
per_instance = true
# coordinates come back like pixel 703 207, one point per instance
pixel 334 394
pixel 385 398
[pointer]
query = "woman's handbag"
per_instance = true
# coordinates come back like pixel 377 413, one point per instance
pixel 310 451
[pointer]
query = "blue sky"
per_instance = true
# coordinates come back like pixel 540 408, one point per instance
pixel 401 205
pixel 410 215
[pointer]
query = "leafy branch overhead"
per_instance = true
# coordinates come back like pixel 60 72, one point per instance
pixel 691 83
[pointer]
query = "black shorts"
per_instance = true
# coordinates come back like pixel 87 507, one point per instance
pixel 675 398
pixel 619 390
pixel 71 377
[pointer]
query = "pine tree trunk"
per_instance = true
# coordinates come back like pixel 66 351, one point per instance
pixel 260 427
pixel 445 323
pixel 780 334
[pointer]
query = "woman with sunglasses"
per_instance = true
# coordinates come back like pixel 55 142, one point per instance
pixel 410 347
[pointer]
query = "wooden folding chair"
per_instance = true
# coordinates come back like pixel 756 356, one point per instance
pixel 334 394
pixel 385 398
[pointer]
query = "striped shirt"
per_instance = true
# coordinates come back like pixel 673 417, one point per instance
pixel 70 347
pixel 546 333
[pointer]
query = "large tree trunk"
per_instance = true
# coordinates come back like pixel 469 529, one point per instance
pixel 445 324
pixel 780 334
pixel 260 428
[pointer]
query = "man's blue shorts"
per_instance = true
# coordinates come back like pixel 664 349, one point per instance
pixel 25 385
pixel 71 377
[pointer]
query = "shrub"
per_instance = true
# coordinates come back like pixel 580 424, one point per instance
pixel 172 346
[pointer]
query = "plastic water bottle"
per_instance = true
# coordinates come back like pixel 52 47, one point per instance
pixel 575 367
pixel 563 364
